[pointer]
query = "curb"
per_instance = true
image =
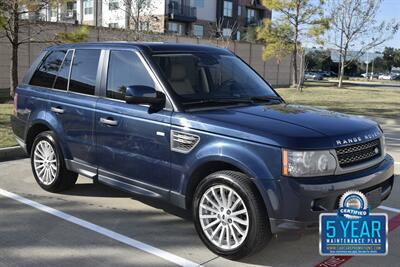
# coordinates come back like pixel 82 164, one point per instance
pixel 9 153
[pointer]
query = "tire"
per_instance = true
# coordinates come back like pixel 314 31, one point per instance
pixel 250 209
pixel 48 165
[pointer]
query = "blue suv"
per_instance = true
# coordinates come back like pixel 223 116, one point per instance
pixel 196 127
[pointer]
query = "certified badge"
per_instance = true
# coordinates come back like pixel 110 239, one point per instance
pixel 353 230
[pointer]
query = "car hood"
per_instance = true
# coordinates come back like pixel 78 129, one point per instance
pixel 291 126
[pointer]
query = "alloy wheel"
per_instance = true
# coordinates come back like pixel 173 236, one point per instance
pixel 45 162
pixel 224 217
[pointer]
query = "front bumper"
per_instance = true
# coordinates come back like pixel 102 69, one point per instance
pixel 295 203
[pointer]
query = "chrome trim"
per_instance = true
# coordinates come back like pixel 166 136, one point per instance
pixel 108 122
pixel 81 168
pixel 339 170
pixel 57 110
pixel 70 69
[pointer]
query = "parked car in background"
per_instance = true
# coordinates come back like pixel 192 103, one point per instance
pixel 313 76
pixel 370 75
pixel 386 76
pixel 396 77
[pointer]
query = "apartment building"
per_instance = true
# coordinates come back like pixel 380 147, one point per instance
pixel 237 16
pixel 63 12
pixel 201 18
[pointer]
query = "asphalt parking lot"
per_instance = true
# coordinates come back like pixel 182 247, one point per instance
pixel 93 225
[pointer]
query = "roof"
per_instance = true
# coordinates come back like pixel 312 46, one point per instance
pixel 150 47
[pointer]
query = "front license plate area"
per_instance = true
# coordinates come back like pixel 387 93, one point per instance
pixel 374 197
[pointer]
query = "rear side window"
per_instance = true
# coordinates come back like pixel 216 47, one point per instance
pixel 84 71
pixel 125 69
pixel 62 78
pixel 46 73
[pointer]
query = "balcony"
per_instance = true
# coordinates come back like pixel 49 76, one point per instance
pixel 178 12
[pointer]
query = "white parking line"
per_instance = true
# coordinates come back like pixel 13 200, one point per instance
pixel 101 230
pixel 397 163
pixel 389 209
pixel 392 138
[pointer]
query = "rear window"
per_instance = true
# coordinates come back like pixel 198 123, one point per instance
pixel 45 75
pixel 84 71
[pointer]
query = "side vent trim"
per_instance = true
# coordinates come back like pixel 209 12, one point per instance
pixel 183 142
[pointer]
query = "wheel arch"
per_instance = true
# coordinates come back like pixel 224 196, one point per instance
pixel 35 129
pixel 38 127
pixel 212 166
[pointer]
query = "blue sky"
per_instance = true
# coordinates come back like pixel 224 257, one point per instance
pixel 390 9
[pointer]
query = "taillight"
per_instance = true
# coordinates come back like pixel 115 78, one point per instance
pixel 15 103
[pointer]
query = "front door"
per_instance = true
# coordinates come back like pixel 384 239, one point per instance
pixel 132 144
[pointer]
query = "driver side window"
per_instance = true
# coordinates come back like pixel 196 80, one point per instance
pixel 125 69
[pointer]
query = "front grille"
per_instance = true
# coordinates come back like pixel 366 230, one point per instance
pixel 356 154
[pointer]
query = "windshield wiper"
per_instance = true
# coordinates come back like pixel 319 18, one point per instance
pixel 226 101
pixel 266 98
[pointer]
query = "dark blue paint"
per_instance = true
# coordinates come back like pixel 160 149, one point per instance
pixel 133 154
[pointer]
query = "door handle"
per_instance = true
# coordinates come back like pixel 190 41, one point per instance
pixel 109 121
pixel 57 110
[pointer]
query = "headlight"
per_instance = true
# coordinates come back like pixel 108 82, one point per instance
pixel 307 163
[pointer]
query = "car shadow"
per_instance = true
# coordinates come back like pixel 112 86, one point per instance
pixel 95 189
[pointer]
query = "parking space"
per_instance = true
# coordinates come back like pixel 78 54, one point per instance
pixel 155 234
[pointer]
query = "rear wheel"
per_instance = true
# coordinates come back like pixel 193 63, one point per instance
pixel 48 164
pixel 229 216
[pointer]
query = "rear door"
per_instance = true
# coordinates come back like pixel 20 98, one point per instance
pixel 132 143
pixel 72 104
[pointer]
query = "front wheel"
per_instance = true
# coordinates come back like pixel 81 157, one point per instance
pixel 229 216
pixel 48 164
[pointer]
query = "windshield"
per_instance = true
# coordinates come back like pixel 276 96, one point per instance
pixel 201 77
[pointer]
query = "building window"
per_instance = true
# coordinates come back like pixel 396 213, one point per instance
pixel 227 8
pixel 198 30
pixel 198 3
pixel 113 5
pixel 239 10
pixel 251 16
pixel 88 7
pixel 144 25
pixel 238 36
pixel 71 6
pixel 226 32
pixel 54 12
pixel 113 25
pixel 174 27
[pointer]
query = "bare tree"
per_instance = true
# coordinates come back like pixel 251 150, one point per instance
pixel 217 31
pixel 16 16
pixel 138 13
pixel 354 28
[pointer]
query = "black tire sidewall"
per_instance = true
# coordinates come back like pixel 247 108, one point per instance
pixel 49 137
pixel 221 179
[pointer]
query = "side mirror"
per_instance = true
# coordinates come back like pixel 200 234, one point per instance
pixel 140 94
